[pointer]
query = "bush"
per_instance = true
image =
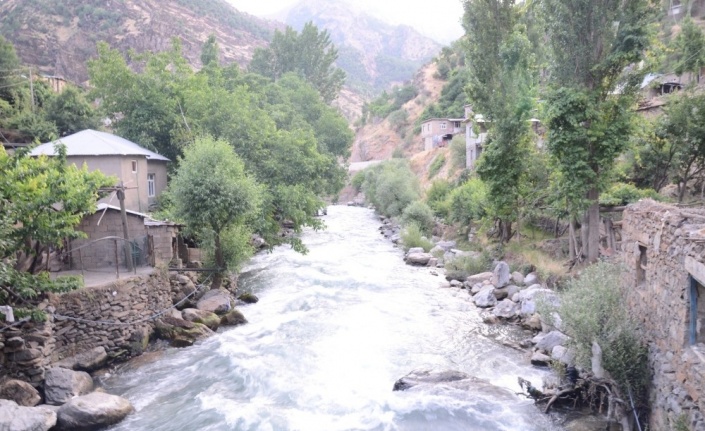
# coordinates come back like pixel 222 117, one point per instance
pixel 398 153
pixel 436 165
pixel 390 186
pixel 412 236
pixel 437 197
pixel 467 203
pixel 592 310
pixel 420 214
pixel 398 119
pixel 458 152
pixel 622 194
pixel 463 266
pixel 357 180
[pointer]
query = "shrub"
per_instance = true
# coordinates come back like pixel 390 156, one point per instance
pixel 467 203
pixel 458 152
pixel 412 236
pixel 463 266
pixel 622 194
pixel 592 310
pixel 398 119
pixel 357 180
pixel 390 186
pixel 398 153
pixel 420 214
pixel 436 197
pixel 436 165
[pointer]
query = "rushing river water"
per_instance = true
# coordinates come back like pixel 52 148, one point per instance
pixel 332 332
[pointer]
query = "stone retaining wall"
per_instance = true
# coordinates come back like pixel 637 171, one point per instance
pixel 26 350
pixel 664 251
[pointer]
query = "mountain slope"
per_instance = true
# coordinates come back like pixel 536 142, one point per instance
pixel 59 36
pixel 374 54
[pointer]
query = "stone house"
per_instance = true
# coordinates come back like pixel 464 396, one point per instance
pixel 153 242
pixel 663 252
pixel 143 172
pixel 437 132
pixel 475 136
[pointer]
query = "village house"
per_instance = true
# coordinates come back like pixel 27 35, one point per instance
pixel 142 172
pixel 437 132
pixel 663 251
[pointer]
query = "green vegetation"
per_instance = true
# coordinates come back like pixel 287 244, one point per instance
pixel 458 152
pixel 419 214
pixel 391 186
pixel 463 266
pixel 438 162
pixel 412 236
pixel 387 104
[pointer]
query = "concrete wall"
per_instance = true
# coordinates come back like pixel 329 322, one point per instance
pixel 663 249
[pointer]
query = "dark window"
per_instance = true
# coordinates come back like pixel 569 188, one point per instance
pixel 696 324
pixel 641 266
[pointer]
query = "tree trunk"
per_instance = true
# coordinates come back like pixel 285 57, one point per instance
pixel 593 214
pixel 219 262
pixel 572 240
pixel 506 231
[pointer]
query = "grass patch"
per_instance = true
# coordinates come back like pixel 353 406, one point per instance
pixel 412 236
pixel 436 165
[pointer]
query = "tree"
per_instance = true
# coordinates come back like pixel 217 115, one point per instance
pixel 690 48
pixel 595 48
pixel 500 88
pixel 42 199
pixel 683 127
pixel 71 113
pixel 214 195
pixel 309 53
pixel 210 51
pixel 9 69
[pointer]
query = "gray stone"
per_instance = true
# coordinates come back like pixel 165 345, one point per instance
pixel 61 384
pixel 563 355
pixel 90 360
pixel 20 418
pixel 506 309
pixel 476 288
pixel 415 250
pixel 485 298
pixel 216 301
pixel 420 259
pixel 479 278
pixel 233 318
pixel 531 278
pixel 446 245
pixel 182 279
pixel 501 276
pixel 551 340
pixel 20 392
pixel 540 359
pixel 181 333
pixel 211 320
pixel 92 412
pixel 505 292
pixel 456 283
pixel 427 380
pixel 248 298
pixel 518 277
pixel 532 322
pixel 433 262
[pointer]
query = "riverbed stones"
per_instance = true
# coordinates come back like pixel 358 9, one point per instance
pixel 20 392
pixel 428 380
pixel 551 340
pixel 539 359
pixel 248 298
pixel 181 333
pixel 233 318
pixel 506 309
pixel 216 301
pixel 92 412
pixel 211 320
pixel 485 297
pixel 418 259
pixel 20 418
pixel 518 278
pixel 563 355
pixel 501 275
pixel 479 278
pixel 62 384
pixel 531 279
pixel 89 360
pixel 428 377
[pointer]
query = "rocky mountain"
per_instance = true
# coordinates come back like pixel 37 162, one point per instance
pixel 59 36
pixel 374 54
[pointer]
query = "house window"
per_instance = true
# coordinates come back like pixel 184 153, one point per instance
pixel 696 321
pixel 641 265
pixel 151 189
pixel 134 166
pixel 443 125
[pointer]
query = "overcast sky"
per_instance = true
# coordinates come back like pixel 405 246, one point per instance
pixel 438 19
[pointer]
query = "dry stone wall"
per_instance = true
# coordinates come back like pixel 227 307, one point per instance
pixel 663 247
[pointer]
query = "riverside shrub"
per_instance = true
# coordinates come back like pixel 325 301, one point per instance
pixel 468 202
pixel 420 214
pixel 436 197
pixel 412 237
pixel 391 186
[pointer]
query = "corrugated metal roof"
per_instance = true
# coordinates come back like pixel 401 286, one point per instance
pixel 94 143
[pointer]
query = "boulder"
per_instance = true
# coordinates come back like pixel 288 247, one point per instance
pixel 415 250
pixel 532 322
pixel 540 359
pixel 211 320
pixel 505 292
pixel 529 297
pixel 216 301
pixel 446 245
pixel 506 309
pixel 485 298
pixel 563 355
pixel 62 384
pixel 22 393
pixel 456 283
pixel 233 318
pixel 551 340
pixel 90 360
pixel 476 288
pixel 501 275
pixel 416 378
pixel 479 278
pixel 518 277
pixel 420 259
pixel 531 278
pixel 428 380
pixel 92 412
pixel 248 298
pixel 181 333
pixel 21 418
pixel 433 262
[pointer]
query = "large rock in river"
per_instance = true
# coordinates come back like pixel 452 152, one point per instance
pixel 216 301
pixel 420 259
pixel 92 412
pixel 20 392
pixel 180 332
pixel 62 384
pixel 427 380
pixel 211 320
pixel 233 318
pixel 485 297
pixel 89 360
pixel 20 418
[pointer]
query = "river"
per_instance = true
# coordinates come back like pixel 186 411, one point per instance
pixel 331 333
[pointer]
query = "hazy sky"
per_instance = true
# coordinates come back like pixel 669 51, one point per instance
pixel 439 19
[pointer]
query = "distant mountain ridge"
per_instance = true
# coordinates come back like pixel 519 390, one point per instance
pixel 59 36
pixel 374 54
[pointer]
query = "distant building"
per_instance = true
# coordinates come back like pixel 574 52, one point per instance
pixel 475 136
pixel 437 132
pixel 142 172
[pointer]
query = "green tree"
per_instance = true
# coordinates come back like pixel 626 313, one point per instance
pixel 309 53
pixel 210 51
pixel 71 113
pixel 589 108
pixel 215 196
pixel 9 69
pixel 690 48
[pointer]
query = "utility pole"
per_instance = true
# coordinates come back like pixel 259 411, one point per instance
pixel 31 86
pixel 123 216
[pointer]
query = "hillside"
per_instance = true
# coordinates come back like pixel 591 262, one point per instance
pixel 59 36
pixel 374 54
